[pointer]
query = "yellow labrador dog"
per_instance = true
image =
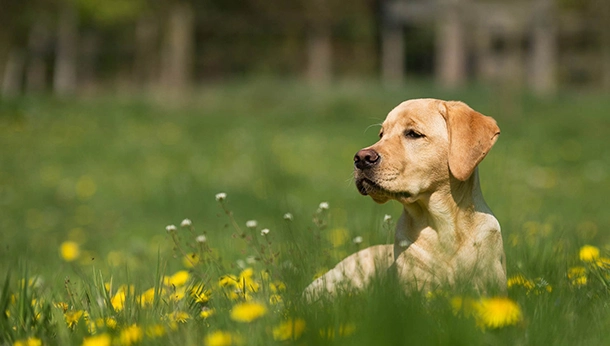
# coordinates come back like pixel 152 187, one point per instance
pixel 426 159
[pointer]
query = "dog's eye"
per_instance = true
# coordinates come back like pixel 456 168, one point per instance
pixel 380 135
pixel 413 134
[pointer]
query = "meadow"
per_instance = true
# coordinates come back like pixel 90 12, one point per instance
pixel 129 219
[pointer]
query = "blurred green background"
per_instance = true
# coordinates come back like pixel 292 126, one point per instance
pixel 111 172
pixel 120 117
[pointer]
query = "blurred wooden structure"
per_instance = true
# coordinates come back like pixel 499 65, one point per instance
pixel 512 42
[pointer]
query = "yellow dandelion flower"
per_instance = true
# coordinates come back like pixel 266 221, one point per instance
pixel 463 306
pixel 275 299
pixel 277 286
pixel 131 335
pixel 200 293
pixel 69 251
pixel 178 294
pixel 155 331
pixel 589 253
pixel 346 329
pixel 178 279
pixel 520 280
pixel 31 341
pixel 147 297
pixel 497 312
pixel 206 312
pixel 603 263
pixel 72 317
pixel 118 300
pixel 61 305
pixel 338 236
pixel 97 340
pixel 289 330
pixel 246 281
pixel 577 276
pixel 222 338
pixel 247 312
pixel 179 316
pixel 227 280
pixel 190 260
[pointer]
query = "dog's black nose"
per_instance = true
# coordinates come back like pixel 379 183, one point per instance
pixel 366 158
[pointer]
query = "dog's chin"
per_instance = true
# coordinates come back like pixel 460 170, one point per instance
pixel 367 187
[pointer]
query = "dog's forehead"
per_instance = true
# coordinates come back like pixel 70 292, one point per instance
pixel 421 112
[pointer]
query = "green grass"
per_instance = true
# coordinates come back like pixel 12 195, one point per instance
pixel 109 173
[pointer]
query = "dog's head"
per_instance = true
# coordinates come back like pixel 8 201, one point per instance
pixel 423 142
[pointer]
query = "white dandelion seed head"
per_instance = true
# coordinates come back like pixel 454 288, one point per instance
pixel 201 239
pixel 186 223
pixel 251 223
pixel 357 240
pixel 323 206
pixel 288 216
pixel 387 218
pixel 241 263
pixel 171 228
pixel 250 259
pixel 221 196
pixel 265 231
pixel 403 243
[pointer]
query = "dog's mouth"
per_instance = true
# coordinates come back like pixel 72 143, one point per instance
pixel 368 187
pixel 365 186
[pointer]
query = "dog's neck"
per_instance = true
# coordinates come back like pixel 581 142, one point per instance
pixel 444 218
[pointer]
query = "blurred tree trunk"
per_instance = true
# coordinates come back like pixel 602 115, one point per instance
pixel 451 47
pixel 38 40
pixel 12 81
pixel 544 50
pixel 145 66
pixel 319 54
pixel 89 50
pixel 177 51
pixel 392 54
pixel 64 79
pixel 319 42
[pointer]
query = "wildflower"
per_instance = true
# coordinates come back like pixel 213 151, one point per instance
pixel 190 260
pixel 31 341
pixel 177 294
pixel 186 223
pixel 227 280
pixel 97 340
pixel 61 305
pixel 147 298
pixel 250 259
pixel 275 299
pixel 118 300
pixel 323 206
pixel 206 312
pixel 577 276
pixel 277 286
pixel 221 196
pixel 463 306
pixel 221 338
pixel 131 335
pixel 251 223
pixel 520 280
pixel 108 322
pixel 201 239
pixel 201 295
pixel 264 231
pixel 155 331
pixel 72 317
pixel 344 330
pixel 69 251
pixel 171 228
pixel 179 316
pixel 178 279
pixel 357 240
pixel 288 217
pixel 338 236
pixel 247 312
pixel 589 253
pixel 497 312
pixel 289 330
pixel 387 218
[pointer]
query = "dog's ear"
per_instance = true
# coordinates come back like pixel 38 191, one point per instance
pixel 471 136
